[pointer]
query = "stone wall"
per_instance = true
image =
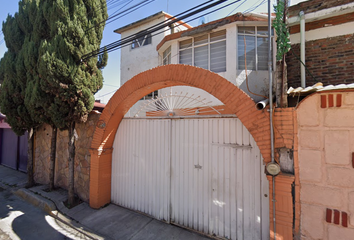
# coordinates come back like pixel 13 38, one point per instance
pixel 82 158
pixel 326 165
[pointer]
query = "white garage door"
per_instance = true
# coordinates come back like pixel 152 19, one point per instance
pixel 204 174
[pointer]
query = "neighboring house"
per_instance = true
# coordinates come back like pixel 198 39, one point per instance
pixel 324 181
pixel 13 149
pixel 329 38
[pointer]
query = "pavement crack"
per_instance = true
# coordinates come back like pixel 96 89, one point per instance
pixel 141 229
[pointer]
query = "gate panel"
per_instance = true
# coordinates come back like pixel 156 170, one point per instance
pixel 9 148
pixel 141 166
pixel 217 181
pixel 203 174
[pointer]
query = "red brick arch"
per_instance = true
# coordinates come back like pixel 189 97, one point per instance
pixel 257 122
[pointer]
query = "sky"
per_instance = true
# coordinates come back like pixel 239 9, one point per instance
pixel 111 72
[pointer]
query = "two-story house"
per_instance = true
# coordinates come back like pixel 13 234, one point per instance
pixel 181 154
pixel 234 47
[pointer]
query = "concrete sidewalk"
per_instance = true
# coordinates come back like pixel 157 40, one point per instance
pixel 110 222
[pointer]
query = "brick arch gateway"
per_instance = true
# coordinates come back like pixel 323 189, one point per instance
pixel 257 122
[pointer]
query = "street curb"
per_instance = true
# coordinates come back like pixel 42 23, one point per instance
pixel 36 200
pixel 49 207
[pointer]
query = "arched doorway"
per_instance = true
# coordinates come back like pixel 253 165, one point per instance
pixel 256 122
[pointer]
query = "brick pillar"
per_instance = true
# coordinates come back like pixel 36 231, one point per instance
pixel 100 177
pixel 283 207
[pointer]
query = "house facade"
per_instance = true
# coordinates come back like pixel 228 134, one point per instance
pixel 197 166
pixel 218 46
pixel 325 159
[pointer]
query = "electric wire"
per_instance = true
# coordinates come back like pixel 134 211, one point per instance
pixel 167 20
pixel 128 44
pixel 255 7
pixel 133 10
pixel 128 2
pixel 116 15
pixel 236 7
pixel 123 42
pixel 107 93
pixel 181 24
pixel 307 70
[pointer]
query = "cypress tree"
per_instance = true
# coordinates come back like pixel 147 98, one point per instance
pixel 74 31
pixel 13 77
pixel 44 78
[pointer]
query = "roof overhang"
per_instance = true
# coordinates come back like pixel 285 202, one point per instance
pixel 148 19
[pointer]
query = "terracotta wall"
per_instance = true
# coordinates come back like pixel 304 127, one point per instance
pixel 326 165
pixel 82 158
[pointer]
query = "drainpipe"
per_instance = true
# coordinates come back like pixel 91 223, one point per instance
pixel 302 48
pixel 271 105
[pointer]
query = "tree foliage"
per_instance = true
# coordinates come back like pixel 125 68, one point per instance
pixel 42 75
pixel 74 31
pixel 282 31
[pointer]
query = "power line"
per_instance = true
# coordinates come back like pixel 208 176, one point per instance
pixel 116 15
pixel 255 7
pixel 133 10
pixel 236 7
pixel 110 85
pixel 107 94
pixel 181 23
pixel 128 43
pixel 118 44
pixel 128 2
pixel 129 38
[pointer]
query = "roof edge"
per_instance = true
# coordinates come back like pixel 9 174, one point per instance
pixel 151 17
pixel 230 19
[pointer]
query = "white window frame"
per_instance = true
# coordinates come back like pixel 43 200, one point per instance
pixel 167 52
pixel 255 35
pixel 193 46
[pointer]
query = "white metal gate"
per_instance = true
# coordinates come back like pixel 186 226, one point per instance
pixel 204 174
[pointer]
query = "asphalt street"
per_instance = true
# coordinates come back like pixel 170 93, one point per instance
pixel 21 220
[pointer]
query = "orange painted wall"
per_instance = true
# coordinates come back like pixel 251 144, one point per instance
pixel 238 102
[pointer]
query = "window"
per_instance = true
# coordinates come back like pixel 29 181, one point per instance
pixel 207 51
pixel 166 58
pixel 256 41
pixel 150 95
pixel 141 40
